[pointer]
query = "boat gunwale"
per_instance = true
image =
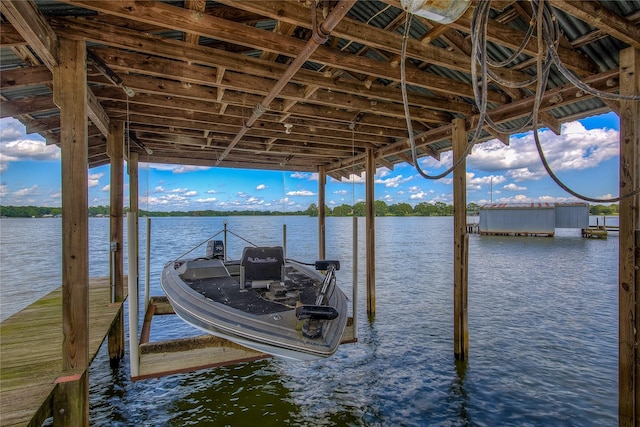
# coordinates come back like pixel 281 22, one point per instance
pixel 186 300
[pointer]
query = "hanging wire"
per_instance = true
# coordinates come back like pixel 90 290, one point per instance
pixel 548 40
pixel 407 114
pixel 550 44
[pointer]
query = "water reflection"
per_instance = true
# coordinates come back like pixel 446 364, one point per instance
pixel 458 392
pixel 542 332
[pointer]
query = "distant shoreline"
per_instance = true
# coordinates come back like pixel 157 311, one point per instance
pixel 359 210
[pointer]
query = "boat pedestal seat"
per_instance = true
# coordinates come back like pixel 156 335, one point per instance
pixel 261 266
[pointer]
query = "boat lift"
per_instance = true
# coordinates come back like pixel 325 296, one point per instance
pixel 154 359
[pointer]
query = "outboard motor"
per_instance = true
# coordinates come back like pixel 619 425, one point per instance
pixel 215 249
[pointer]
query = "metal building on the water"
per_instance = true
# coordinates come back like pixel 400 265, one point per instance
pixel 532 218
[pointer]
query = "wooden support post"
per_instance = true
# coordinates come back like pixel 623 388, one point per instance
pixel 322 182
pixel 115 146
pixel 71 403
pixel 371 233
pixel 629 260
pixel 460 258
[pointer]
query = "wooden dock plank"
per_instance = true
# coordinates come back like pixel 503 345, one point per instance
pixel 31 352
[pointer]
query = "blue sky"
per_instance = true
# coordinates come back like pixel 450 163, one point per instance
pixel 585 157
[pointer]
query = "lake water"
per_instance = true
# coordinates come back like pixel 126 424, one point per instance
pixel 543 327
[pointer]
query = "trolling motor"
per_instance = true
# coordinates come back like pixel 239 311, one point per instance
pixel 314 315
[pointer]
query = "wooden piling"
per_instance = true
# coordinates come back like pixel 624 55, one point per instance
pixel 71 404
pixel 371 234
pixel 322 182
pixel 115 143
pixel 460 262
pixel 629 259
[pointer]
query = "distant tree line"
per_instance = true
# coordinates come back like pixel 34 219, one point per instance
pixel 603 210
pixel 359 209
pixel 383 209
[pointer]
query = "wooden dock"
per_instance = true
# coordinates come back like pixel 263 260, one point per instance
pixel 31 352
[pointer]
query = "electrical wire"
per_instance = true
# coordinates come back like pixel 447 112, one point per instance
pixel 548 40
pixel 407 114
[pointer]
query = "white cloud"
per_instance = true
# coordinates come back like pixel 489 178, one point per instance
pixel 420 195
pixel 94 179
pixel 16 146
pixel 178 169
pixel 575 149
pixel 261 187
pixel 4 190
pixel 106 188
pixel 341 192
pixel 394 182
pixel 514 187
pixel 179 190
pixel 302 193
pixel 207 200
pixel 159 189
pixel 305 175
pixel 524 174
pixel 212 192
pixel 354 179
pixel 24 192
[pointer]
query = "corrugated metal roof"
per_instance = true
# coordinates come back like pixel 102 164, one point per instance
pixel 603 52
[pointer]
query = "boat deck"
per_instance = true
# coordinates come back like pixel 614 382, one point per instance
pixel 226 290
pixel 31 352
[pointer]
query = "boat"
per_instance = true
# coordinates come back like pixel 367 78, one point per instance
pixel 282 307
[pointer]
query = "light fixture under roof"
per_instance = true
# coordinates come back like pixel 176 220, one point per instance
pixel 441 11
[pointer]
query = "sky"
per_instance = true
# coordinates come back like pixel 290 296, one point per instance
pixel 584 157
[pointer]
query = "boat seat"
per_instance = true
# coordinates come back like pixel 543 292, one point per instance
pixel 261 266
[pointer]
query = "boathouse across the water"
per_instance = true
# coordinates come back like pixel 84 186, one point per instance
pixel 532 218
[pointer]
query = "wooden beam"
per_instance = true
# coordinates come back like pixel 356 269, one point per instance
pixel 380 39
pixel 25 76
pixel 461 243
pixel 370 171
pixel 70 84
pixel 115 147
pixel 197 8
pixel 97 114
pixel 629 241
pixel 240 34
pixel 10 37
pixel 598 16
pixel 548 120
pixel 501 114
pixel 33 27
pixel 322 183
pixel 27 105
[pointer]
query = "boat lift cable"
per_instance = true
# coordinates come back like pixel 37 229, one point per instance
pixel 242 238
pixel 198 245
